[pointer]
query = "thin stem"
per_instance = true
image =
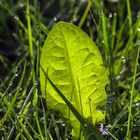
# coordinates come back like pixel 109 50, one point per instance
pixel 85 14
pixel 129 16
pixel 30 40
pixel 128 134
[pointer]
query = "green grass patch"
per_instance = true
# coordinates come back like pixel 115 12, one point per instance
pixel 114 27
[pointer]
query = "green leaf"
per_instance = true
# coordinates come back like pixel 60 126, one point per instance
pixel 74 64
pixel 90 132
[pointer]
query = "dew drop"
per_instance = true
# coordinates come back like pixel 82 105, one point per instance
pixel 110 15
pixel 123 59
pixel 36 83
pixel 138 104
pixel 16 17
pixel 16 75
pixel 138 29
pixel 10 94
pixel 55 19
pixel 63 124
pixel 20 89
pixel 10 84
pixel 85 125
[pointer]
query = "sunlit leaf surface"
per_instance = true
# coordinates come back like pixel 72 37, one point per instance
pixel 74 64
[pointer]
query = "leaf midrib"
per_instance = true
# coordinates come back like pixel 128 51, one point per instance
pixel 77 104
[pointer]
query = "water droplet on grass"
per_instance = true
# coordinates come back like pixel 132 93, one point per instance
pixel 16 17
pixel 20 89
pixel 138 29
pixel 110 15
pixel 123 59
pixel 36 83
pixel 85 125
pixel 137 104
pixel 10 95
pixel 10 84
pixel 55 19
pixel 16 75
pixel 63 124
